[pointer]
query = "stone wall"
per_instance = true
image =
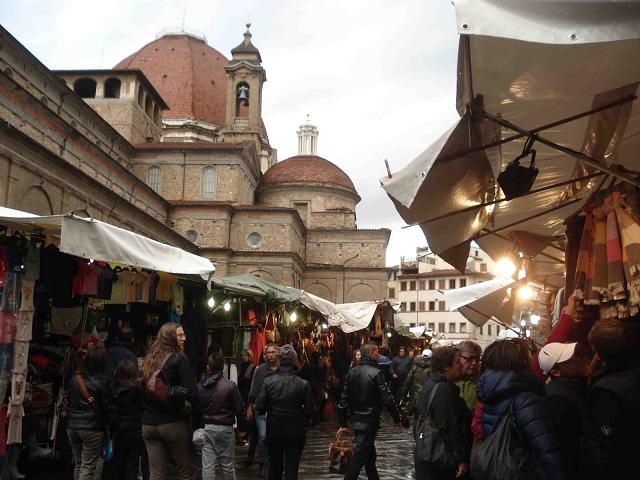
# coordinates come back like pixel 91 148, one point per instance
pixel 346 285
pixel 358 248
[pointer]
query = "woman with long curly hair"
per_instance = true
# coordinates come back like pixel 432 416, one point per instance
pixel 165 426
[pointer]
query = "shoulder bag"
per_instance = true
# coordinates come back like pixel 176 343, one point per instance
pixel 430 447
pixel 107 446
pixel 157 386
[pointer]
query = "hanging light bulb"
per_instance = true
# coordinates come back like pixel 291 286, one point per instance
pixel 505 267
pixel 211 302
pixel 325 326
pixel 293 317
pixel 535 318
pixel 389 334
pixel 227 306
pixel 526 293
pixel 523 323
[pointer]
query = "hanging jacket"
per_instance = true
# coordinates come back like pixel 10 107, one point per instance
pixel 125 408
pixel 612 422
pixel 497 389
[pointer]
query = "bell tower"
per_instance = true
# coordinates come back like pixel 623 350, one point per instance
pixel 245 77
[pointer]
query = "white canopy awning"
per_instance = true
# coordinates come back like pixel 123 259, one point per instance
pixel 558 72
pixel 92 239
pixel 483 301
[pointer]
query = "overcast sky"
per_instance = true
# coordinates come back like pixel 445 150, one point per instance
pixel 377 77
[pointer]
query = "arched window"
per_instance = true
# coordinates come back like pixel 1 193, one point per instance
pixel 85 87
pixel 112 88
pixel 153 179
pixel 242 100
pixel 208 183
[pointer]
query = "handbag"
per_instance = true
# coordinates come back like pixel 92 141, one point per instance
pixel 429 444
pixel 505 453
pixel 340 451
pixel 157 386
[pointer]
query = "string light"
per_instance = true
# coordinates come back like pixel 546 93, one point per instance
pixel 389 334
pixel 325 326
pixel 227 307
pixel 526 293
pixel 293 317
pixel 211 302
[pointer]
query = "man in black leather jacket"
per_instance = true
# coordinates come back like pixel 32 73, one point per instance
pixel 365 393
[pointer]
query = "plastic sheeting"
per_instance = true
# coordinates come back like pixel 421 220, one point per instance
pixel 519 62
pixel 92 239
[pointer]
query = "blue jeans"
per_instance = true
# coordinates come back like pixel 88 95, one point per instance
pixel 218 451
pixel 261 426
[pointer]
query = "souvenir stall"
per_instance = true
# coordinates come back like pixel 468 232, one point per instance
pixel 67 283
pixel 526 164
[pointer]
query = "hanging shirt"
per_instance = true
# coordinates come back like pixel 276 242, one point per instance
pixel 163 289
pixel 120 290
pixel 65 269
pixel 143 289
pixel 177 299
pixel 85 281
pixel 135 285
pixel 104 283
pixel 32 263
pixel 4 264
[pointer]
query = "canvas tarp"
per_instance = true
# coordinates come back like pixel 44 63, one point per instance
pixel 533 64
pixel 92 239
pixel 483 301
pixel 350 317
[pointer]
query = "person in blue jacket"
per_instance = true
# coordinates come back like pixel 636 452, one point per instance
pixel 507 378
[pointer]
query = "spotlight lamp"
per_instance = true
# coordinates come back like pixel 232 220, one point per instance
pixel 505 267
pixel 389 334
pixel 535 319
pixel 523 323
pixel 227 306
pixel 324 326
pixel 211 302
pixel 293 317
pixel 517 180
pixel 525 293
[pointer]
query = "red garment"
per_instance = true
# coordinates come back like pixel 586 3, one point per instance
pixel 85 282
pixel 4 264
pixel 256 344
pixel 476 423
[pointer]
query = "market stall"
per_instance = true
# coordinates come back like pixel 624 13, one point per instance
pixel 68 282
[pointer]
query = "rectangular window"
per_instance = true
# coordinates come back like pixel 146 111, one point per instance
pixel 154 179
pixel 442 306
pixel 452 283
pixel 432 326
pixel 412 285
pixel 412 306
pixel 421 285
pixel 498 330
pixel 208 183
pixel 392 293
pixel 463 282
pixel 432 306
pixel 412 324
pixel 421 306
pixel 463 327
pixel 489 329
pixel 432 284
pixel 441 284
pixel 441 327
pixel 483 267
pixel 481 331
pixel 403 306
pixel 403 286
pixel 452 327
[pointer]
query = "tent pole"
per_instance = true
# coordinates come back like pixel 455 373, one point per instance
pixel 568 151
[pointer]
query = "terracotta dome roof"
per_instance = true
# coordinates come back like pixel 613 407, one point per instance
pixel 187 73
pixel 307 169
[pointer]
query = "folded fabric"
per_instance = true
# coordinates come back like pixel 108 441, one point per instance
pixel 65 320
pixel 8 321
pixel 18 388
pixel 24 326
pixel 20 356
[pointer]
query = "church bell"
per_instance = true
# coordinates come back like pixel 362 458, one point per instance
pixel 243 94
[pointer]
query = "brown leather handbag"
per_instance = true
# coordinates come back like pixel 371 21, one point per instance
pixel 340 451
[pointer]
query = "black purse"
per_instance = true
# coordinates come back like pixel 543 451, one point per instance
pixel 429 444
pixel 505 454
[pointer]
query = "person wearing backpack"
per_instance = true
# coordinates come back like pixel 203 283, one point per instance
pixel 86 420
pixel 418 375
pixel 440 404
pixel 170 392
pixel 125 420
pixel 509 387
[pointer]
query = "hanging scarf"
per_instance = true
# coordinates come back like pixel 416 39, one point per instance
pixel 615 270
pixel 582 282
pixel 630 234
pixel 599 261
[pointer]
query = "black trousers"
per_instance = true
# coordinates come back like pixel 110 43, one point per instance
pixel 127 449
pixel 284 454
pixel 364 455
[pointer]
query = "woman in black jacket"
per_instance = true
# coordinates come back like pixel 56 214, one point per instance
pixel 287 400
pixel 125 420
pixel 86 420
pixel 165 427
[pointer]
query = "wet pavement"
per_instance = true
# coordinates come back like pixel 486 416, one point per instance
pixel 394 449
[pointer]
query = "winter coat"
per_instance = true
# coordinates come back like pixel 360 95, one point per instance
pixel 401 366
pixel 287 401
pixel 244 380
pixel 219 401
pixel 364 394
pixel 82 415
pixel 182 394
pixel 565 404
pixel 418 375
pixel 612 423
pixel 261 372
pixel 449 414
pixel 469 392
pixel 125 408
pixel 497 389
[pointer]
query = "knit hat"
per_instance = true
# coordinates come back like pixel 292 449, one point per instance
pixel 287 355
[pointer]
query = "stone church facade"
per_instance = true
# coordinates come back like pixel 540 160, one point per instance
pixel 170 143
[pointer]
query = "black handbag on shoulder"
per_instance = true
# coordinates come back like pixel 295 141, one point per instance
pixel 429 444
pixel 505 454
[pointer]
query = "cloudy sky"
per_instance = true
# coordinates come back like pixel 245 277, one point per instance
pixel 377 77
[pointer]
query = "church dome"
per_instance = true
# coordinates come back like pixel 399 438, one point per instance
pixel 307 169
pixel 189 75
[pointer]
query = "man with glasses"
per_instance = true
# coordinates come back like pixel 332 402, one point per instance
pixel 470 353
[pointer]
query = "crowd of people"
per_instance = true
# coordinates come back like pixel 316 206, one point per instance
pixel 575 407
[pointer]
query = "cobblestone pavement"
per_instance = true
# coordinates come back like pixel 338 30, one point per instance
pixel 394 449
